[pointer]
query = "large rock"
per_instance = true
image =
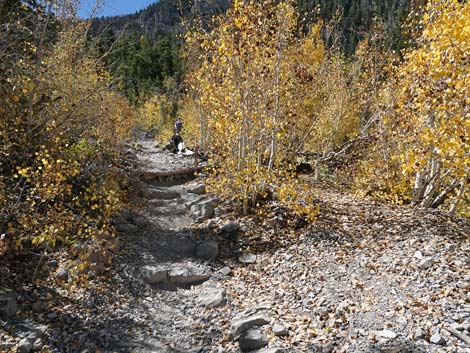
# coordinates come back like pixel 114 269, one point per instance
pixel 179 244
pixel 208 250
pixel 212 297
pixel 156 194
pixel 188 274
pixel 24 346
pixel 230 229
pixel 127 228
pixel 252 339
pixel 8 306
pixel 248 319
pixel 198 189
pixel 225 270
pixel 154 275
pixel 271 350
pixel 203 210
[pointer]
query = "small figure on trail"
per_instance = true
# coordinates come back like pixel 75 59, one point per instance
pixel 177 144
pixel 178 126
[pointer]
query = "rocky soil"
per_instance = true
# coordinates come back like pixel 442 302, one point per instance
pixel 191 276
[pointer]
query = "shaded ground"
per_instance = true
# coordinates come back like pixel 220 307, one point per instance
pixel 362 268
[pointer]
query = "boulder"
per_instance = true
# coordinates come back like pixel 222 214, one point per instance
pixel 62 275
pixel 252 340
pixel 8 306
pixel 248 319
pixel 24 346
pixel 188 274
pixel 230 229
pixel 247 258
pixel 198 189
pixel 126 228
pixel 204 210
pixel 212 297
pixel 154 275
pixel 208 250
pixel 418 334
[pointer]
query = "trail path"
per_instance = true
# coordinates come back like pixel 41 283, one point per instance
pixel 160 267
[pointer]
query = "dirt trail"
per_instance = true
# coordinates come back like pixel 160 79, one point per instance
pixel 160 262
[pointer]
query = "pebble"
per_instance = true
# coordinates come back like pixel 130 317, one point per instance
pixel 225 270
pixel 52 316
pixel 388 334
pixel 426 263
pixel 247 258
pixel 418 334
pixel 280 330
pixel 437 339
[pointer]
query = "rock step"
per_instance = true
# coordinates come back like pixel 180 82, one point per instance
pixel 180 275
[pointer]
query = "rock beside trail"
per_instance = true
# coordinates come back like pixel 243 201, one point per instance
pixel 426 263
pixel 154 275
pixel 24 346
pixel 248 319
pixel 212 297
pixel 252 340
pixel 203 210
pixel 207 250
pixel 8 306
pixel 188 274
pixel 230 229
pixel 198 189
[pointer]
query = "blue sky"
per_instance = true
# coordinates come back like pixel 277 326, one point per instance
pixel 113 7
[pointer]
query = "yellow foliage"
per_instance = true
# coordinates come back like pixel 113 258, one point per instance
pixel 246 99
pixel 426 135
pixel 157 115
pixel 59 143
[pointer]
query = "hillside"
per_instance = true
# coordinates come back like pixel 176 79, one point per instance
pixel 355 17
pixel 162 17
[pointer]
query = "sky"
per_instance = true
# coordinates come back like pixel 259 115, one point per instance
pixel 113 7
